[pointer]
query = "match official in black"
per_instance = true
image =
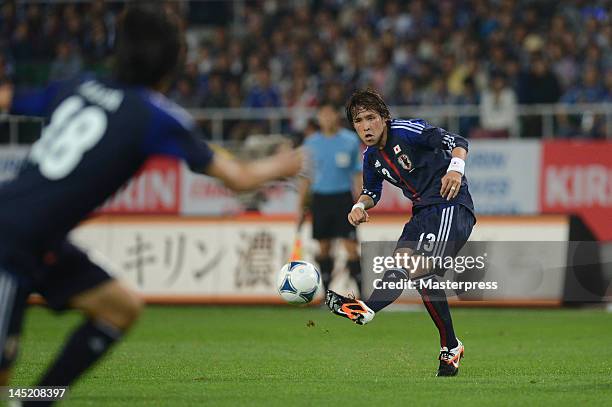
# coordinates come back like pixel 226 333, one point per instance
pixel 335 158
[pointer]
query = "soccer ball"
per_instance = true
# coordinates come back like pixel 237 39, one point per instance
pixel 298 282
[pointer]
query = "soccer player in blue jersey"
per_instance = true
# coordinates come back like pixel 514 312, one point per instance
pixel 99 133
pixel 427 163
pixel 335 156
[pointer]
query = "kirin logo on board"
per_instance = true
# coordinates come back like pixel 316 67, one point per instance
pixel 154 190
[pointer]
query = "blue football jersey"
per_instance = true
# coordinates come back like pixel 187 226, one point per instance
pixel 415 158
pixel 98 134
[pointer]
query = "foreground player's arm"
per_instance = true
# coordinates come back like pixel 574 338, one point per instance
pixel 173 132
pixel 243 176
pixel 359 212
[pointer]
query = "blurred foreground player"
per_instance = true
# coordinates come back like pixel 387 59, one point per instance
pixel 99 133
pixel 427 163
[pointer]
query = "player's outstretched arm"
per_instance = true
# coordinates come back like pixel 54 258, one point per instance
pixel 451 181
pixel 358 214
pixel 240 176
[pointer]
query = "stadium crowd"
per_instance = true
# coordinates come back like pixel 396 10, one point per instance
pixel 271 53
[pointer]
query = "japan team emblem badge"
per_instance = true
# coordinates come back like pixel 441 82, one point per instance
pixel 405 162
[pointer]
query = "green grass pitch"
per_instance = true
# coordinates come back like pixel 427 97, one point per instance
pixel 192 356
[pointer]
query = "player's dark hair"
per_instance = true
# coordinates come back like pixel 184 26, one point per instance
pixel 366 99
pixel 149 45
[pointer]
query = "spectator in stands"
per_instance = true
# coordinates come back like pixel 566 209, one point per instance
pixel 608 82
pixel 216 95
pixel 327 75
pixel 513 74
pixel 205 60
pixel 469 96
pixel 540 86
pixel 564 64
pixel 334 94
pixel 5 79
pixel 21 47
pixel 300 99
pixel 263 94
pixel 234 94
pixel 8 19
pixel 96 45
pixel 34 21
pixel 99 12
pixel 4 71
pixel 52 34
pixel 190 71
pixel 436 93
pixel 381 74
pixel 469 68
pixel 235 129
pixel 498 108
pixel 406 93
pixel 67 63
pixel 395 19
pixel 235 59
pixel 75 29
pixel 589 90
pixel 185 93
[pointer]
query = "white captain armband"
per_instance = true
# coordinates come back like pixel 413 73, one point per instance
pixel 457 164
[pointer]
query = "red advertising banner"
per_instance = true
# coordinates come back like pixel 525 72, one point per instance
pixel 202 195
pixel 155 190
pixel 576 177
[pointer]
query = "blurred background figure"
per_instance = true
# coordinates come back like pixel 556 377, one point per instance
pixel 406 93
pixel 335 157
pixel 263 93
pixel 468 96
pixel 185 93
pixel 67 63
pixel 498 108
pixel 540 86
pixel 590 89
